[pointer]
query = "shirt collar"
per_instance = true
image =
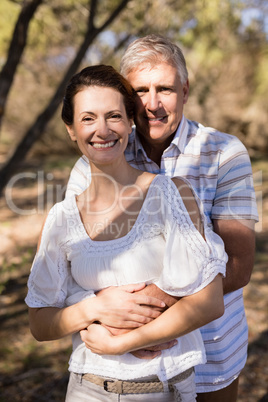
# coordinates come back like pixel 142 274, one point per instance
pixel 138 145
pixel 179 139
pixel 180 136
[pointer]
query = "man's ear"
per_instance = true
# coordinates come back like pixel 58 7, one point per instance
pixel 71 132
pixel 186 88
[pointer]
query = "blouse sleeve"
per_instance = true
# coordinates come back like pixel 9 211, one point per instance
pixel 50 280
pixel 190 262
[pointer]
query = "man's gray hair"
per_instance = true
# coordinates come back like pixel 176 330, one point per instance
pixel 153 49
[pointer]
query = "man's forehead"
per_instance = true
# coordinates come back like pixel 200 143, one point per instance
pixel 147 73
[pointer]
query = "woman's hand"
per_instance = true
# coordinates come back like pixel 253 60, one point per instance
pixel 99 340
pixel 121 307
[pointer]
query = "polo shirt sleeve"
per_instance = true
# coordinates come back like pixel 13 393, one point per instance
pixel 79 178
pixel 235 195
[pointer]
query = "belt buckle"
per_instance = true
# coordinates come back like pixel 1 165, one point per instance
pixel 116 386
pixel 105 385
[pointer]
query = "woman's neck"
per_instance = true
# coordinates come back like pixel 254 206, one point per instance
pixel 107 181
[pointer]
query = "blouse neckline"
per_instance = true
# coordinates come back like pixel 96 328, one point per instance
pixel 118 239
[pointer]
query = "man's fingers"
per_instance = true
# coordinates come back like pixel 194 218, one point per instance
pixel 153 351
pixel 145 354
pixel 133 287
pixel 163 346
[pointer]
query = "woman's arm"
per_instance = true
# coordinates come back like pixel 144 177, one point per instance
pixel 121 307
pixel 188 314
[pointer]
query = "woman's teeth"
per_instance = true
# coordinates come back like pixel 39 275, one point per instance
pixel 104 145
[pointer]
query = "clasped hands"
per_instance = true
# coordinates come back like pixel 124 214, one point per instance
pixel 122 309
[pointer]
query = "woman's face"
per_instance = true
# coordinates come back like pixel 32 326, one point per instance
pixel 100 126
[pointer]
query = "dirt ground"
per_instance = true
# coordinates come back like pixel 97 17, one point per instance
pixel 32 371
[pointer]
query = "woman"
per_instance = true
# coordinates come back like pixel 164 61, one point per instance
pixel 128 227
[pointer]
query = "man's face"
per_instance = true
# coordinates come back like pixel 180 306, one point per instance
pixel 159 102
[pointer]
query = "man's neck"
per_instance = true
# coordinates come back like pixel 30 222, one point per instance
pixel 155 151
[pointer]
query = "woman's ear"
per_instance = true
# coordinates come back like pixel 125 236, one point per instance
pixel 130 126
pixel 71 132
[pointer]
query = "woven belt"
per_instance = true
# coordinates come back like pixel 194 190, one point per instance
pixel 137 387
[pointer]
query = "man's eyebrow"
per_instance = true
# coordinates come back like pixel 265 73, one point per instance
pixel 140 88
pixel 165 86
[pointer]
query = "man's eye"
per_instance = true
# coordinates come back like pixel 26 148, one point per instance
pixel 140 92
pixel 166 90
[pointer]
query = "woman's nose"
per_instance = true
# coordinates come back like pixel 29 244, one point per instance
pixel 103 128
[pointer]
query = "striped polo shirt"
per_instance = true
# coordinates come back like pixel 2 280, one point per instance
pixel 218 167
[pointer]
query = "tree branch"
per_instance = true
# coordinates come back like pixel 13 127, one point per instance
pixel 16 48
pixel 38 127
pixel 92 12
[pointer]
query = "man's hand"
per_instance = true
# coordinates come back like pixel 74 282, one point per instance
pixel 153 351
pixel 153 291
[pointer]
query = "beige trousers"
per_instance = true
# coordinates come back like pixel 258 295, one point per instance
pixel 80 390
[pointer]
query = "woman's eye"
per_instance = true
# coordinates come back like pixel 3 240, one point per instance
pixel 87 119
pixel 116 116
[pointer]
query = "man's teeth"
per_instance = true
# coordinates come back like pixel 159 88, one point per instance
pixel 156 119
pixel 105 145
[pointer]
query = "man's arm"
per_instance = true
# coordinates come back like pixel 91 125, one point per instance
pixel 239 240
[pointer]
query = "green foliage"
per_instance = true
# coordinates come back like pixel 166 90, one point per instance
pixel 262 75
pixel 57 26
pixel 8 15
pixel 227 62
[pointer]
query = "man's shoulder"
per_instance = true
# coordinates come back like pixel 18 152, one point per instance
pixel 81 165
pixel 211 137
pixel 130 150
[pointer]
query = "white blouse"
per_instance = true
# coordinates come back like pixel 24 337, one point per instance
pixel 163 247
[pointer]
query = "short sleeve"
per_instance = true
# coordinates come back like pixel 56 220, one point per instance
pixel 190 262
pixel 50 280
pixel 235 195
pixel 79 178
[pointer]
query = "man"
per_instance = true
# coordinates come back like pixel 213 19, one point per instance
pixel 218 167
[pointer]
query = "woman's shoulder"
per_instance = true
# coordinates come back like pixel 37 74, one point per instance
pixel 64 207
pixel 180 196
pixel 56 217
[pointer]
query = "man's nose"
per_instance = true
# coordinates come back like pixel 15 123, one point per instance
pixel 153 101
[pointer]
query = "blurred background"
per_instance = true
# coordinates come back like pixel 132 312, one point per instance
pixel 42 45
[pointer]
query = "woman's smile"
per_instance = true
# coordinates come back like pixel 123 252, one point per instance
pixel 103 145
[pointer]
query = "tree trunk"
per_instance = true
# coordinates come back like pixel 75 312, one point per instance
pixel 15 51
pixel 37 129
